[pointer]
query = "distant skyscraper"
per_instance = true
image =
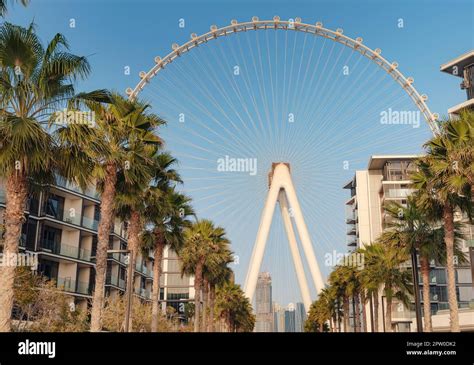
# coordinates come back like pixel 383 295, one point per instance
pixel 264 312
pixel 278 318
pixel 290 318
pixel 300 317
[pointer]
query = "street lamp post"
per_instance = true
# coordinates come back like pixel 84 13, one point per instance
pixel 129 290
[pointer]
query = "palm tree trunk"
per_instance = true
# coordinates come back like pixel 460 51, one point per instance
pixel 197 295
pixel 425 275
pixel 105 226
pixel 357 312
pixel 448 220
pixel 16 193
pixel 158 258
pixel 364 312
pixel 134 229
pixel 376 311
pixel 346 313
pixel 388 315
pixel 205 297
pixel 212 299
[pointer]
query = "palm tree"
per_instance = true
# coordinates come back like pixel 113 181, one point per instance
pixel 215 272
pixel 202 239
pixel 323 310
pixel 3 6
pixel 443 183
pixel 121 144
pixel 371 281
pixel 347 286
pixel 219 276
pixel 235 308
pixel 420 232
pixel 389 255
pixel 167 215
pixel 35 81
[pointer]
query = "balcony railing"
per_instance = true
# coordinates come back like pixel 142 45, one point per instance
pixel 90 223
pixel 91 192
pixel 351 230
pixel 398 193
pixel 83 288
pixel 63 249
pixel 144 293
pixel 64 216
pixel 114 280
pixel 119 257
pixel 119 230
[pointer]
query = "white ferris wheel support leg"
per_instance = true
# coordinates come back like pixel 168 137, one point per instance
pixel 295 251
pixel 281 179
pixel 302 230
pixel 262 236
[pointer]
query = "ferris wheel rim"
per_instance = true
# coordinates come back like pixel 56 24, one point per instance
pixel 296 25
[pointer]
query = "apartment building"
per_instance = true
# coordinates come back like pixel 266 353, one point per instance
pixel 61 228
pixel 387 179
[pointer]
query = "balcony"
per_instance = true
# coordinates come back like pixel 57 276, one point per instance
pixel 352 242
pixel 91 192
pixel 65 250
pixel 398 193
pixel 90 223
pixel 114 280
pixel 144 293
pixel 66 284
pixel 83 288
pixel 69 285
pixel 120 257
pixel 119 230
pixel 143 269
pixel 352 230
pixel 64 216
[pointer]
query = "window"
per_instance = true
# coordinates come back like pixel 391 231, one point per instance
pixel 48 269
pixel 54 206
pixel 51 238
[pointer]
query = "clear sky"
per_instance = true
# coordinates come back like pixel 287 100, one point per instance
pixel 337 116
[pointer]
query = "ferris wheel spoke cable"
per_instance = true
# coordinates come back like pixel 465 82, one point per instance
pixel 197 120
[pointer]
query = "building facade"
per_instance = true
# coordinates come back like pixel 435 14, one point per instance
pixel 387 179
pixel 61 223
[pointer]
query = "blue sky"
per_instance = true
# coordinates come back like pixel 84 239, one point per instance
pixel 116 34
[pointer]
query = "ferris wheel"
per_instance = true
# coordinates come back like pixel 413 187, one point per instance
pixel 245 100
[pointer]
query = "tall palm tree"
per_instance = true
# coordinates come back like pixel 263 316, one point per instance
pixel 35 82
pixel 202 239
pixel 215 272
pixel 419 230
pixel 371 281
pixel 3 5
pixel 120 144
pixel 440 180
pixel 167 215
pixel 389 255
pixel 346 284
